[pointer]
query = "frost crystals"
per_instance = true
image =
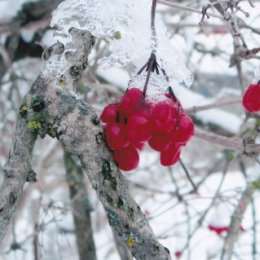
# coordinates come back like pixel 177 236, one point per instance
pixel 131 21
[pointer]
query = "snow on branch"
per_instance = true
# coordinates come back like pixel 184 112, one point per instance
pixel 126 25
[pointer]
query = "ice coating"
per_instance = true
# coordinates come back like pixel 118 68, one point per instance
pixel 136 44
pixel 156 89
pixel 100 17
pixel 131 21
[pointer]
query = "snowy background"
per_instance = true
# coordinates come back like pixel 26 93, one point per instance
pixel 197 61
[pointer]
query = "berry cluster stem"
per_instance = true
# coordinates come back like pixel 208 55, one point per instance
pixel 151 65
pixel 153 26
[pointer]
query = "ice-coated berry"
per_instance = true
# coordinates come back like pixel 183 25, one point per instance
pixel 170 155
pixel 127 158
pixel 116 136
pixel 251 98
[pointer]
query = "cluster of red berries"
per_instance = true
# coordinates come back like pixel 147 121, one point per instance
pixel 134 121
pixel 251 98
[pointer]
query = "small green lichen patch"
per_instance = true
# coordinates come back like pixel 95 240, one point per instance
pixel 34 125
pixel 23 110
pixel 130 242
pixel 132 238
pixel 117 35
pixel 61 82
pixel 229 155
pixel 52 132
pixel 256 185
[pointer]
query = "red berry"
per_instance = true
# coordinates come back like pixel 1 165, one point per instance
pixel 218 230
pixel 184 131
pixel 109 113
pixel 139 146
pixel 178 254
pixel 160 141
pixel 138 129
pixel 164 116
pixel 170 155
pixel 116 136
pixel 127 158
pixel 251 98
pixel 131 101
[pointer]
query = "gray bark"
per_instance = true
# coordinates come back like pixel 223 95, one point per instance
pixel 235 224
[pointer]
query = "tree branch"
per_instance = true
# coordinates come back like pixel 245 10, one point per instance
pixel 51 109
pixel 233 143
pixel 16 172
pixel 235 224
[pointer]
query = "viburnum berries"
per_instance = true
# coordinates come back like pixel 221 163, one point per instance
pixel 134 121
pixel 251 98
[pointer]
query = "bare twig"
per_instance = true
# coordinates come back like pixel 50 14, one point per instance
pixel 235 225
pixel 190 9
pixel 219 103
pixel 233 143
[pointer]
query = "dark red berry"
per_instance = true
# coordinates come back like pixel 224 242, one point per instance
pixel 170 155
pixel 138 129
pixel 127 158
pixel 139 146
pixel 218 230
pixel 116 136
pixel 109 113
pixel 164 116
pixel 160 141
pixel 131 101
pixel 184 131
pixel 178 254
pixel 251 98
